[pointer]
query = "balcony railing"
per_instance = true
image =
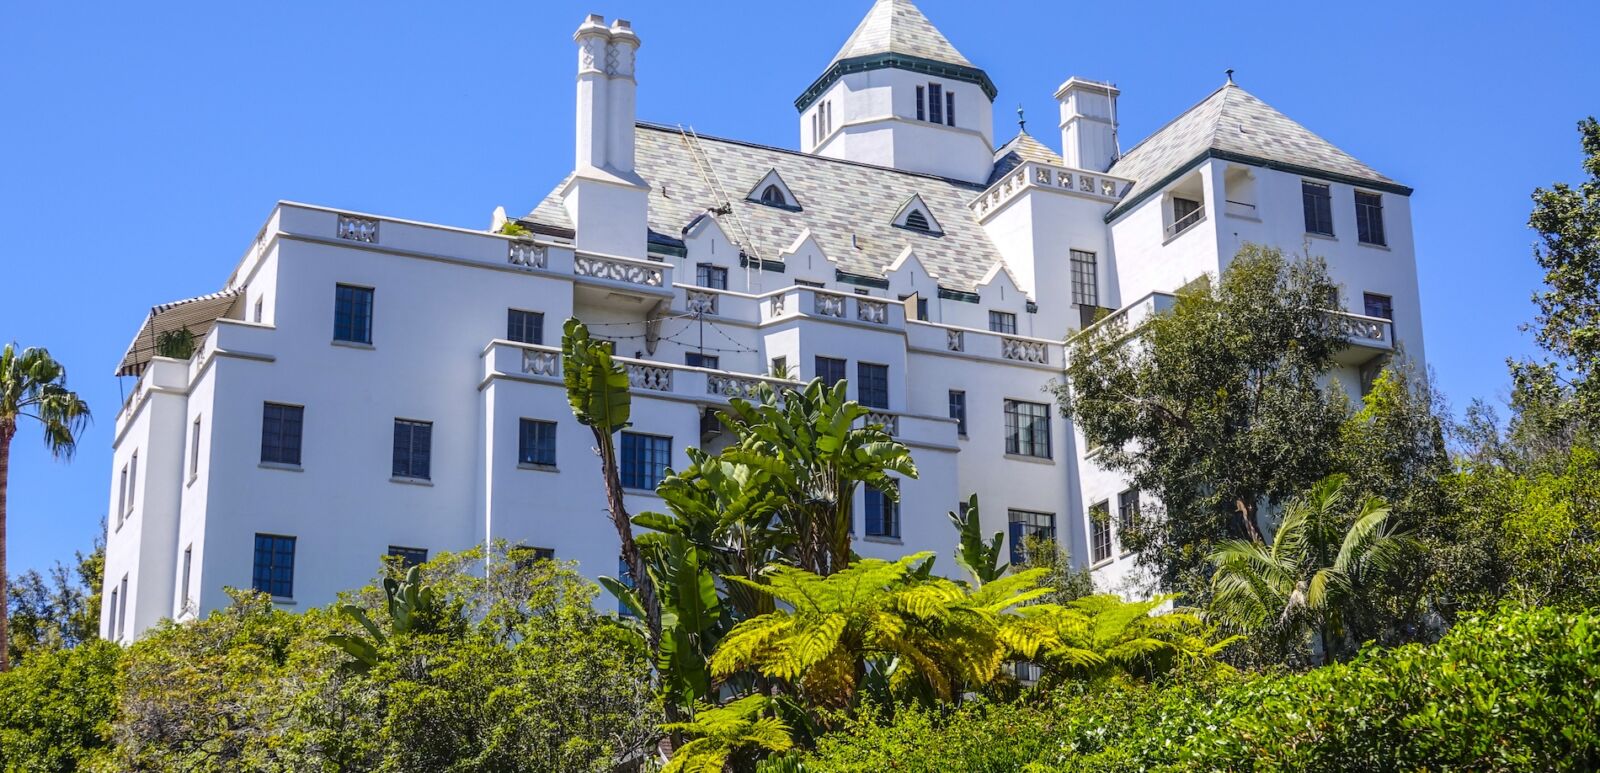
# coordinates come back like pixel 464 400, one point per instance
pixel 701 301
pixel 653 377
pixel 876 312
pixel 733 386
pixel 627 272
pixel 889 421
pixel 541 363
pixel 527 254
pixel 1024 350
pixel 1186 222
pixel 1239 208
pixel 826 305
pixel 1036 175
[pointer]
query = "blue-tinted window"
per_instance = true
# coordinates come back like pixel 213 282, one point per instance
pixel 274 565
pixel 1026 525
pixel 644 460
pixel 409 557
pixel 830 370
pixel 935 103
pixel 958 410
pixel 883 514
pixel 872 385
pixel 524 327
pixel 352 314
pixel 698 360
pixel 280 433
pixel 413 449
pixel 536 442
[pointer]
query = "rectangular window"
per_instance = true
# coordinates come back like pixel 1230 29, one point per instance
pixel 188 562
pixel 625 576
pixel 1369 218
pixel 644 460
pixel 830 370
pixel 409 557
pixel 922 309
pixel 1381 306
pixel 949 108
pixel 280 433
pixel 258 310
pixel 807 283
pixel 111 620
pixel 921 116
pixel 1028 429
pixel 714 277
pixel 1026 526
pixel 133 481
pixel 780 367
pixel 872 385
pixel 1127 513
pixel 122 609
pixel 352 314
pixel 194 450
pixel 1003 322
pixel 536 442
pixel 1085 283
pixel 958 411
pixel 524 557
pixel 883 514
pixel 1099 532
pixel 274 566
pixel 1318 206
pixel 413 449
pixel 698 360
pixel 122 496
pixel 524 327
pixel 935 103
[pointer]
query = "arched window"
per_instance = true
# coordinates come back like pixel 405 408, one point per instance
pixel 916 220
pixel 772 194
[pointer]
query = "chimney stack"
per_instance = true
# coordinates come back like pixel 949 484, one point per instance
pixel 593 40
pixel 1088 124
pixel 605 197
pixel 621 110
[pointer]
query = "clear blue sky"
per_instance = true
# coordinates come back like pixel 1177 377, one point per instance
pixel 143 144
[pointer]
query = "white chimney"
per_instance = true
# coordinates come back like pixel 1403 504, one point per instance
pixel 606 200
pixel 1088 124
pixel 593 39
pixel 622 87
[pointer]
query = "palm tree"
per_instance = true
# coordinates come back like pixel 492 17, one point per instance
pixel 1314 575
pixel 32 385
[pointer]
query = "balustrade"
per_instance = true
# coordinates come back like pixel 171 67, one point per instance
pixel 876 312
pixel 889 421
pixel 541 363
pixel 1024 351
pixel 829 305
pixel 955 340
pixel 732 386
pixel 616 271
pixel 527 254
pixel 358 229
pixel 652 377
pixel 701 301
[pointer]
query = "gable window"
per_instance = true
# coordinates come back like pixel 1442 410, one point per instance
pixel 281 426
pixel 883 514
pixel 830 370
pixel 1003 322
pixel 1026 526
pixel 771 195
pixel 698 360
pixel 958 410
pixel 1027 429
pixel 1318 207
pixel 917 221
pixel 1099 532
pixel 713 277
pixel 524 327
pixel 935 103
pixel 1381 306
pixel 1127 513
pixel 352 314
pixel 409 557
pixel 1085 287
pixel 413 449
pixel 1369 218
pixel 273 573
pixel 536 442
pixel 921 114
pixel 872 385
pixel 644 460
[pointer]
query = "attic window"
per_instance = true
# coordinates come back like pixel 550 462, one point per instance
pixel 773 195
pixel 773 192
pixel 914 215
pixel 917 221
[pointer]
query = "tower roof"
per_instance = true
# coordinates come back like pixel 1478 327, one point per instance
pixel 897 26
pixel 1234 124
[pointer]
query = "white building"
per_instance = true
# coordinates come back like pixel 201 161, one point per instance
pixel 367 384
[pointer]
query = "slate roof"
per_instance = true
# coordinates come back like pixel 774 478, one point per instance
pixel 837 199
pixel 897 26
pixel 1021 149
pixel 1234 121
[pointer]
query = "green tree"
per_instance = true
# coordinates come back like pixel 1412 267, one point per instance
pixel 1317 574
pixel 57 611
pixel 32 386
pixel 56 709
pixel 1217 408
pixel 720 733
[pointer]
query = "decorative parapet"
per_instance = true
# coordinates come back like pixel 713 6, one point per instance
pixel 527 254
pixel 539 363
pixel 1359 328
pixel 617 271
pixel 876 312
pixel 732 386
pixel 652 377
pixel 358 229
pixel 777 305
pixel 955 340
pixel 1033 174
pixel 889 421
pixel 701 301
pixel 829 305
pixel 1024 350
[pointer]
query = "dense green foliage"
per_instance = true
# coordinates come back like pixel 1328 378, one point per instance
pixel 56 709
pixel 1511 691
pixel 58 610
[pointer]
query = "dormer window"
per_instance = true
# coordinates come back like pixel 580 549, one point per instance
pixel 773 192
pixel 917 221
pixel 771 195
pixel 914 216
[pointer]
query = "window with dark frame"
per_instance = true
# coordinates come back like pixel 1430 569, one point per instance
pixel 830 370
pixel 780 367
pixel 773 195
pixel 645 459
pixel 1369 219
pixel 352 314
pixel 1003 322
pixel 273 573
pixel 413 449
pixel 883 514
pixel 958 410
pixel 698 360
pixel 194 450
pixel 917 221
pixel 536 442
pixel 1318 207
pixel 1099 532
pixel 281 427
pixel 935 103
pixel 921 115
pixel 1381 306
pixel 710 276
pixel 1026 525
pixel 524 327
pixel 1085 283
pixel 188 562
pixel 1127 513
pixel 1027 429
pixel 872 385
pixel 122 609
pixel 949 108
pixel 409 557
pixel 1183 213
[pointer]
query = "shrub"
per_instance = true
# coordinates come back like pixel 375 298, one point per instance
pixel 56 709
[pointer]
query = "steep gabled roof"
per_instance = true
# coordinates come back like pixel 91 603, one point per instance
pixel 897 26
pixel 1020 150
pixel 1233 123
pixel 849 207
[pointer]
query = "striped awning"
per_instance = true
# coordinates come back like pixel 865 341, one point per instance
pixel 197 314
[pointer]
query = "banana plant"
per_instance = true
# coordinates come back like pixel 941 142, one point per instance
pixel 414 607
pixel 981 560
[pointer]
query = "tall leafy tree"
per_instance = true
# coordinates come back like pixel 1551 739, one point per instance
pixel 32 386
pixel 58 610
pixel 1217 408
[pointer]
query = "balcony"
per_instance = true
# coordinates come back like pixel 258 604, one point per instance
pixel 1034 175
pixel 1369 337
pixel 1186 222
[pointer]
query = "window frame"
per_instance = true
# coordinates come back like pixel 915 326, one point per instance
pixel 518 324
pixel 822 373
pixel 877 380
pixel 367 309
pixel 642 468
pixel 1014 429
pixel 274 542
pixel 1316 199
pixel 958 410
pixel 921 114
pixel 282 434
pixel 887 514
pixel 1021 524
pixel 194 450
pixel 711 361
pixel 708 275
pixel 409 557
pixel 409 471
pixel 936 103
pixel 1127 512
pixel 1003 322
pixel 188 564
pixel 1085 289
pixel 1367 303
pixel 1099 515
pixel 537 443
pixel 1369 214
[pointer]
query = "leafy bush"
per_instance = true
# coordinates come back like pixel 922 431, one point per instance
pixel 55 709
pixel 1510 691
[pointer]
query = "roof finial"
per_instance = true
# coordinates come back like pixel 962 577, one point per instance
pixel 1022 123
pixel 1229 72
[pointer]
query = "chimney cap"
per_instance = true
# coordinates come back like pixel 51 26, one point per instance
pixel 622 28
pixel 595 24
pixel 1097 87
